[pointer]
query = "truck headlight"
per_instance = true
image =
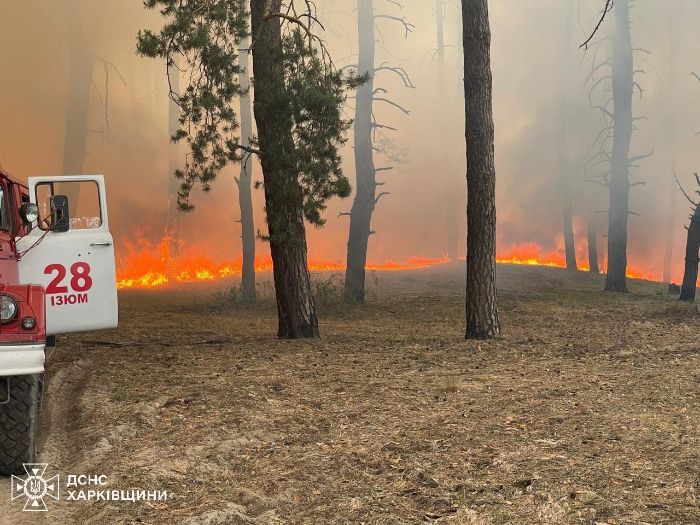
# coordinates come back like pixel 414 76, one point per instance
pixel 8 308
pixel 29 212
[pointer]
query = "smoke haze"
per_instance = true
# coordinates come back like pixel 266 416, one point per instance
pixel 128 125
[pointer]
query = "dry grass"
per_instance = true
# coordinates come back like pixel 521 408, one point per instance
pixel 587 411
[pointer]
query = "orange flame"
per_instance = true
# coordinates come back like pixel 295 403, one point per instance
pixel 149 265
pixel 531 254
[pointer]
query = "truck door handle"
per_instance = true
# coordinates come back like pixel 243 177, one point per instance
pixel 106 243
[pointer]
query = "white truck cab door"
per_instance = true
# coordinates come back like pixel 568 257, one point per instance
pixel 76 267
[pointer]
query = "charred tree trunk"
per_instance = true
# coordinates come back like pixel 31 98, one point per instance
pixel 593 245
pixel 623 84
pixel 692 251
pixel 82 62
pixel 244 181
pixel 172 220
pixel 564 165
pixel 481 307
pixel 365 180
pixel 283 194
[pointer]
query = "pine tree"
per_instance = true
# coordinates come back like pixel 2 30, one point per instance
pixel 298 98
pixel 482 307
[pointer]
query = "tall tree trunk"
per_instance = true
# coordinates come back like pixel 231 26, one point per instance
pixel 245 198
pixel 671 101
pixel 452 214
pixel 593 245
pixel 670 230
pixel 692 256
pixel 481 307
pixel 623 67
pixel 365 178
pixel 564 164
pixel 81 61
pixel 172 219
pixel 283 194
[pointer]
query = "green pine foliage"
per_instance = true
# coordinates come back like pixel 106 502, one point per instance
pixel 202 38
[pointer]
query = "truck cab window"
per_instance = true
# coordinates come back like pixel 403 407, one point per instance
pixel 83 202
pixel 4 217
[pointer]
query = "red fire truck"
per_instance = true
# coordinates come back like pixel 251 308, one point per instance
pixel 57 276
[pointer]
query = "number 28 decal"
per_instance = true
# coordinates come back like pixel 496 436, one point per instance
pixel 80 280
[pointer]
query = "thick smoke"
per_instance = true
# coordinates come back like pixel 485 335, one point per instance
pixel 128 137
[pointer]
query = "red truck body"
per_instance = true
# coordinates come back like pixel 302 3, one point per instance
pixel 29 297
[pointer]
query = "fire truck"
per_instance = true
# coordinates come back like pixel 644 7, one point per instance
pixel 57 276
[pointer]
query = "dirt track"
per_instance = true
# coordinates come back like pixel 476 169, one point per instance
pixel 588 411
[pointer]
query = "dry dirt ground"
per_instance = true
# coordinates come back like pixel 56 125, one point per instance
pixel 587 411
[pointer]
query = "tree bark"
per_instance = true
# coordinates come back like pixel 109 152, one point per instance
pixel 172 219
pixel 481 305
pixel 623 82
pixel 692 256
pixel 670 223
pixel 365 178
pixel 82 62
pixel 283 193
pixel 564 165
pixel 593 245
pixel 244 180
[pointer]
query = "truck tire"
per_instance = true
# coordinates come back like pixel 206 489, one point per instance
pixel 19 421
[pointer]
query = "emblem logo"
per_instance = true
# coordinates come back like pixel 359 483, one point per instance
pixel 35 487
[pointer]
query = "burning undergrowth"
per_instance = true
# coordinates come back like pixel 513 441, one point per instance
pixel 146 264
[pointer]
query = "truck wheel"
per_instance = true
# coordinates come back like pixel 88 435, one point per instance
pixel 19 419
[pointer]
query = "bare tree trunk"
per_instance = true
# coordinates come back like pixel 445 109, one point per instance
pixel 173 218
pixel 671 101
pixel 452 214
pixel 670 229
pixel 564 164
pixel 82 61
pixel 692 257
pixel 623 83
pixel 481 307
pixel 593 245
pixel 365 179
pixel 244 181
pixel 283 194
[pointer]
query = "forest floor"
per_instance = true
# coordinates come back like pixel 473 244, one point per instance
pixel 586 411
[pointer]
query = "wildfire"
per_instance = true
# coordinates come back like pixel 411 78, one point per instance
pixel 150 266
pixel 531 254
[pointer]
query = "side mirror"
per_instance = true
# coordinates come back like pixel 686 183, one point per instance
pixel 29 213
pixel 59 213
